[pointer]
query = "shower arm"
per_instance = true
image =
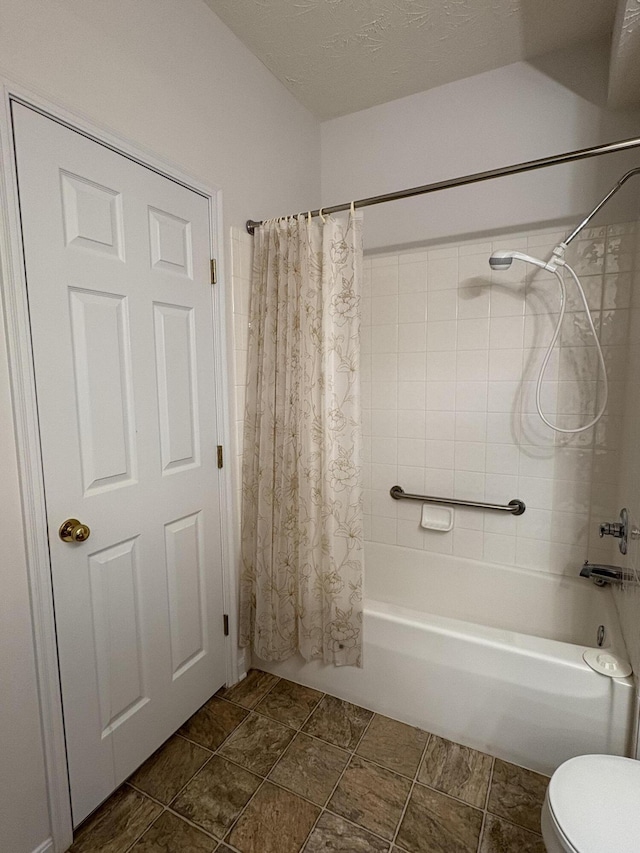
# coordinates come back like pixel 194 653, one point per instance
pixel 598 207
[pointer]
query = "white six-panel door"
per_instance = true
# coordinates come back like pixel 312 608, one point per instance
pixel 117 265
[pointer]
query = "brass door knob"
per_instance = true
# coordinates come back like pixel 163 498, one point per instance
pixel 72 530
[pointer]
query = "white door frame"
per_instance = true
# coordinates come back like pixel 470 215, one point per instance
pixel 23 391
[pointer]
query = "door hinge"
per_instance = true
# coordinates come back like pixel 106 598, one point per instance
pixel 225 619
pixel 214 271
pixel 220 456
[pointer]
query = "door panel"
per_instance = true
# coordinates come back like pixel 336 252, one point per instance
pixel 183 550
pixel 117 636
pixel 104 397
pixel 117 262
pixel 177 388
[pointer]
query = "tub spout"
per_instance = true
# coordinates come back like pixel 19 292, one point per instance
pixel 602 575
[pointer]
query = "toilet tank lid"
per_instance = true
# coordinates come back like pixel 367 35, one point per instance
pixel 595 800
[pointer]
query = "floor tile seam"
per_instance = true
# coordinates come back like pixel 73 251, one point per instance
pixel 359 826
pixel 208 748
pixel 227 736
pixel 442 793
pixel 410 794
pixel 313 710
pixel 182 736
pixel 513 824
pixel 452 797
pixel 403 813
pixel 290 791
pixel 138 837
pixel 235 822
pixel 282 788
pixel 285 751
pixel 351 752
pixel 325 808
pixel 252 769
pixel 383 767
pixel 486 805
pixel 423 756
pixel 311 831
pixel 193 775
pixel 486 799
pixel 231 702
pixel 287 725
pixel 365 730
pixel 144 794
pixel 310 714
pixel 482 829
pixel 271 769
pixel 192 823
pixel 277 681
pixel 414 776
pixel 346 749
pixel 197 773
pixel 335 787
pixel 351 823
pixel 237 764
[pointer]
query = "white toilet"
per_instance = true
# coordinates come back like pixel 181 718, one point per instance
pixel 592 805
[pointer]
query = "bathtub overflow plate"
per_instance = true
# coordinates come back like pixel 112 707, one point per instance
pixel 607 663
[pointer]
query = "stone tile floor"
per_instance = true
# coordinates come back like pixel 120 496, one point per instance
pixel 269 766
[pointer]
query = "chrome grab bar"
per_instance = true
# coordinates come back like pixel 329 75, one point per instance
pixel 515 507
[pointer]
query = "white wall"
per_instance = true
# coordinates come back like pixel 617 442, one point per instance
pixel 513 114
pixel 24 819
pixel 170 77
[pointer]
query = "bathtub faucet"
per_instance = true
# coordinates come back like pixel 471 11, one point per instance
pixel 602 575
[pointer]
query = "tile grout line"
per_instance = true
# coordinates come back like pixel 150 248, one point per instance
pixel 324 809
pixel 297 732
pixel 166 807
pixel 411 789
pixel 481 836
pixel 485 811
pixel 264 779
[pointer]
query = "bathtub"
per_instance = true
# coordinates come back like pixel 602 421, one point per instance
pixel 485 655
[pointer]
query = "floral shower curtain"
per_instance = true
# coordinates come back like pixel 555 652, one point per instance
pixel 302 554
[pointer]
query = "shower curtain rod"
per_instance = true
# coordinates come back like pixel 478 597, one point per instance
pixel 529 166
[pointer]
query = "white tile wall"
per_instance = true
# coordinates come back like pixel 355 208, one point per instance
pixel 625 435
pixel 451 352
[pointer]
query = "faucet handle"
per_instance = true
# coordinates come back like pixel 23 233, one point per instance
pixel 611 528
pixel 617 529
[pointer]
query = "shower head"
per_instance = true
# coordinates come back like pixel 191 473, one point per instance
pixel 503 260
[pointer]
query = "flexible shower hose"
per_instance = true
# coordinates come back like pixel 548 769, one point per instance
pixel 563 307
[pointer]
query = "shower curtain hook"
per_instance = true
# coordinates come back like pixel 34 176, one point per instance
pixel 309 219
pixel 353 208
pixel 321 216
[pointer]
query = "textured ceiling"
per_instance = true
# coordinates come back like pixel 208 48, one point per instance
pixel 339 56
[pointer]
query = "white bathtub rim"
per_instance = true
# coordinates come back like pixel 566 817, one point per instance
pixel 527 645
